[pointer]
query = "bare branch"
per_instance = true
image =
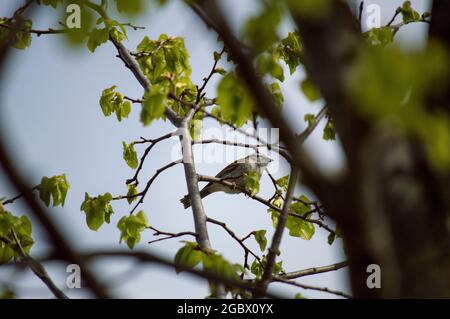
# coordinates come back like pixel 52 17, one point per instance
pixel 149 183
pixel 360 14
pixel 37 32
pixel 152 142
pixel 168 235
pixel 225 142
pixel 132 100
pixel 314 270
pixel 308 287
pixel 13 199
pixel 206 79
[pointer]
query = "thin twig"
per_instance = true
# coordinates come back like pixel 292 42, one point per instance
pixel 239 240
pixel 168 235
pixel 61 245
pixel 144 256
pixel 308 287
pixel 232 185
pixel 313 270
pixel 307 132
pixel 37 32
pixel 132 100
pixel 149 183
pixel 206 79
pixel 13 199
pixel 152 142
pixel 361 8
pixel 225 142
pixel 37 268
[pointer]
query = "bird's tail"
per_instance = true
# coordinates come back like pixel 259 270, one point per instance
pixel 187 202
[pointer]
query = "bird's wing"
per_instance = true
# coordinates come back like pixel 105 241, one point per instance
pixel 224 172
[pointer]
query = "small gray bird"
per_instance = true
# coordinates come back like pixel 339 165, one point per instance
pixel 235 172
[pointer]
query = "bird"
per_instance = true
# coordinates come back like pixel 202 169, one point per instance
pixel 235 173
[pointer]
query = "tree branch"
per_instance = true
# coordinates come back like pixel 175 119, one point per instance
pixel 152 142
pixel 307 132
pixel 151 258
pixel 239 240
pixel 35 267
pixel 60 243
pixel 303 286
pixel 311 175
pixel 147 187
pixel 278 235
pixel 168 234
pixel 232 185
pixel 131 64
pixel 313 271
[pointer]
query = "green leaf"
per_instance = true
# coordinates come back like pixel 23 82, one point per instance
pixel 97 37
pixel 164 58
pixel 217 56
pixel 54 188
pixel 221 71
pixel 260 237
pixel 379 36
pixel 252 182
pixel 217 264
pixel 329 133
pixel 283 182
pixel 188 256
pixel 268 64
pixel 130 7
pixel 153 105
pixel 132 190
pixel 313 9
pixel 98 210
pixel 114 102
pixel 131 228
pixel 298 227
pixel 261 29
pixel 277 95
pixel 236 104
pixel 408 13
pixel 331 238
pixel 22 228
pixel 256 269
pixel 6 253
pixel 290 51
pixel 21 39
pixel 130 155
pixel 195 129
pixel 310 119
pixel 310 90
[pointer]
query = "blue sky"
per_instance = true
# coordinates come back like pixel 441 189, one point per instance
pixel 52 122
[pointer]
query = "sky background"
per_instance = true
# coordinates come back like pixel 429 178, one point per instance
pixel 53 124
